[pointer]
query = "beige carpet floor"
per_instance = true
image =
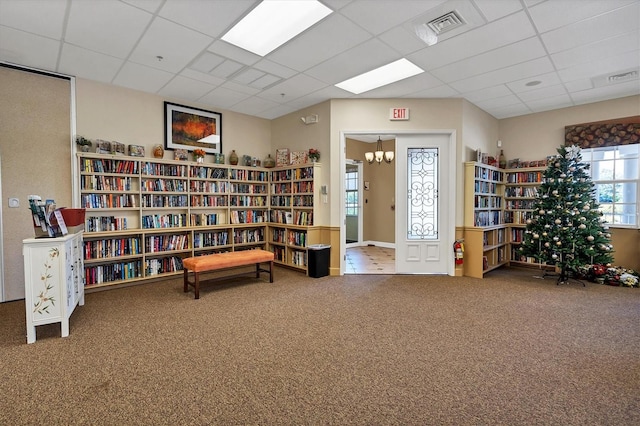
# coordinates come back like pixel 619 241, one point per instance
pixel 510 349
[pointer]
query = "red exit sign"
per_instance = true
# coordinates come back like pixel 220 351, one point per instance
pixel 399 114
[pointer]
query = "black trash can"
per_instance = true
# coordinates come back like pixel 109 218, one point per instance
pixel 318 260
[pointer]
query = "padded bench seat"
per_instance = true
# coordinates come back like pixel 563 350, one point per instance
pixel 219 261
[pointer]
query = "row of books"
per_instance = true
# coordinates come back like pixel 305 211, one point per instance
pixel 149 200
pixel 244 236
pixel 204 172
pixel 158 243
pixel 247 201
pixel 248 216
pixel 102 201
pixel 157 169
pixel 486 174
pixel 105 183
pixel 209 201
pixel 278 235
pixel 167 185
pixel 280 201
pixel 487 202
pixel 162 265
pixel 208 186
pixel 279 253
pixel 248 188
pixel 488 218
pixel 105 223
pixel 519 204
pixel 303 173
pixel 517 217
pixel 303 218
pixel 297 238
pixel 281 175
pixel 111 247
pixel 485 187
pixel 210 239
pixel 204 219
pixel 164 221
pixel 303 201
pixel 524 177
pixel 112 272
pixel 299 257
pixel 521 191
pixel 244 174
pixel 498 238
pixel 106 165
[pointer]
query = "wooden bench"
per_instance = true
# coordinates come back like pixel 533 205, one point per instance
pixel 228 260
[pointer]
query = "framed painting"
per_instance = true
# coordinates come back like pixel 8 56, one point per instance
pixel 190 128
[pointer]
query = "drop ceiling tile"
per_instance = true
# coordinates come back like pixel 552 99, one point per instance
pixel 592 30
pixel 41 17
pixel 496 34
pixel 88 64
pixel 247 76
pixel 206 62
pixel 609 92
pixel 207 78
pixel 496 9
pixel 275 69
pixel 241 88
pixel 379 16
pixel 254 105
pixel 316 97
pixel 213 18
pixel 600 66
pixel 404 87
pixel 185 88
pixel 325 40
pixel 223 97
pixel 579 85
pixel 553 102
pixel 140 77
pixel 605 48
pixel 509 111
pixel 512 54
pixel 542 93
pixel 487 93
pixel 176 44
pixel 265 81
pixel 365 57
pixel 226 69
pixel 546 80
pixel 403 39
pixel 443 91
pixel 513 73
pixel 550 15
pixel 499 102
pixel 293 88
pixel 230 51
pixel 148 5
pixel 112 28
pixel 28 49
pixel 278 111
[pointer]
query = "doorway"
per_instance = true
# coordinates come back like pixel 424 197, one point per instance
pixel 420 253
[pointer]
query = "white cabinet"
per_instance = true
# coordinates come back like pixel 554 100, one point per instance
pixel 54 281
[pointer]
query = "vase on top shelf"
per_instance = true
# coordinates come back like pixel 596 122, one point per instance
pixel 269 162
pixel 233 158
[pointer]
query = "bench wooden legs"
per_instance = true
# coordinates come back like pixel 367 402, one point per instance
pixel 196 277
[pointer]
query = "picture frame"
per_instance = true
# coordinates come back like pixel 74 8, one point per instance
pixel 190 128
pixel 136 151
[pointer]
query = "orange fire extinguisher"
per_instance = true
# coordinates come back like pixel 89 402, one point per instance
pixel 458 250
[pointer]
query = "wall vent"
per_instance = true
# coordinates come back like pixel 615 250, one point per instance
pixel 447 22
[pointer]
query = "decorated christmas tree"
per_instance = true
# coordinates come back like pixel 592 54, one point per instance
pixel 566 228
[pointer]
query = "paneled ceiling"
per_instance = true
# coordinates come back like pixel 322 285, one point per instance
pixel 510 58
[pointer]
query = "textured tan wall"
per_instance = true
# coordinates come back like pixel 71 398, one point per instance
pixel 118 114
pixel 35 150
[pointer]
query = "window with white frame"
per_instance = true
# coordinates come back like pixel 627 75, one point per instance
pixel 351 185
pixel 615 171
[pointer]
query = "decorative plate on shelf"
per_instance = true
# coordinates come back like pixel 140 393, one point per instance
pixel 181 154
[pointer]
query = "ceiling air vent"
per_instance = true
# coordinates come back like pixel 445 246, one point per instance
pixel 447 22
pixel 619 77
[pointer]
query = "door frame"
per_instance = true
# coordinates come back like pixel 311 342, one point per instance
pixel 450 232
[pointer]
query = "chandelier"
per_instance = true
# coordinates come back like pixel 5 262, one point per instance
pixel 379 154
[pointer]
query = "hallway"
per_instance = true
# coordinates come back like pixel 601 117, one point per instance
pixel 370 260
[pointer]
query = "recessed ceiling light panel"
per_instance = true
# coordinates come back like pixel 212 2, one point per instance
pixel 386 74
pixel 274 22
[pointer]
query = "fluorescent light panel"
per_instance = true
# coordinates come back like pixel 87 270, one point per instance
pixel 386 74
pixel 274 22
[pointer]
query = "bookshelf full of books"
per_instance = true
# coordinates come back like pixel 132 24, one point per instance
pixel 485 231
pixel 143 216
pixel 521 190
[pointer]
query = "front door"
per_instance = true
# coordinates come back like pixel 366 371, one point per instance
pixel 425 185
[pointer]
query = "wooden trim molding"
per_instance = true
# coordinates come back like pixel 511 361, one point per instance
pixel 621 131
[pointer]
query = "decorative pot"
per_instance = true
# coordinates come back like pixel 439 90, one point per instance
pixel 85 148
pixel 233 158
pixel 269 162
pixel 158 151
pixel 199 159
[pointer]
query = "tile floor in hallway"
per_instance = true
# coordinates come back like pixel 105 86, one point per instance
pixel 370 260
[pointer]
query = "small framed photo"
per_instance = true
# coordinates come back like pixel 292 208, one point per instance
pixel 298 157
pixel 181 154
pixel 118 148
pixel 190 128
pixel 103 147
pixel 282 157
pixel 136 150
